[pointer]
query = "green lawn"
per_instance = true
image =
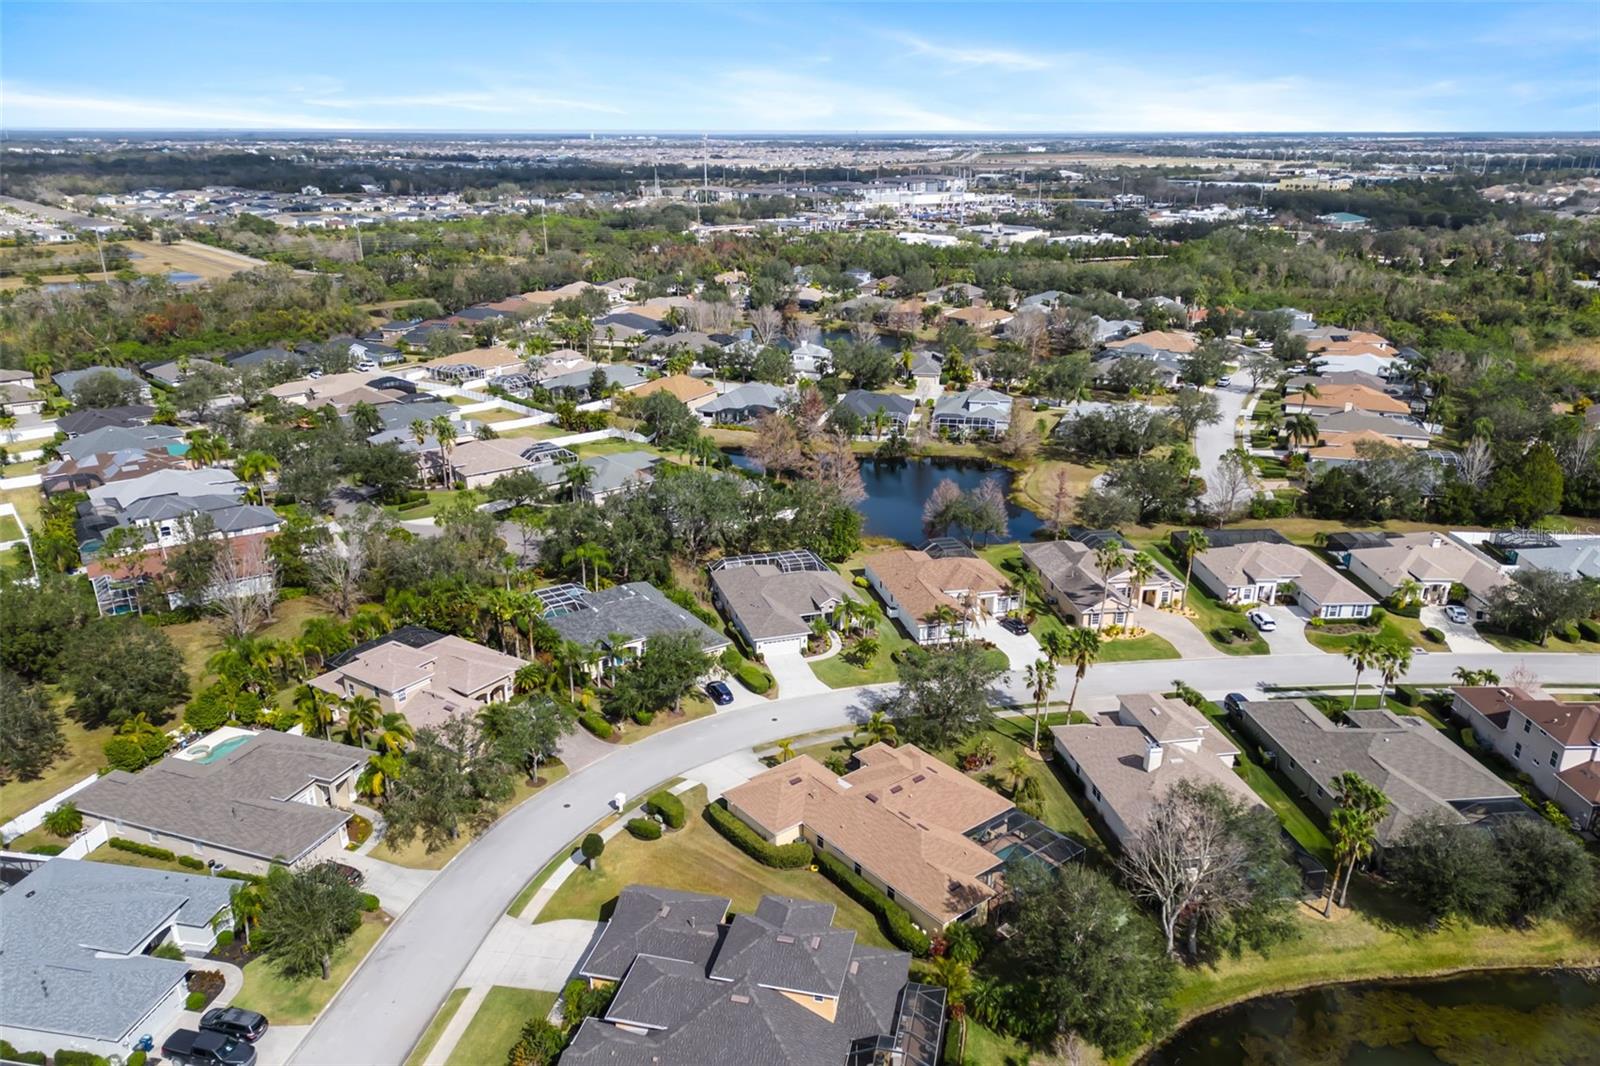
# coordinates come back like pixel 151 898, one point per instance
pixel 985 1047
pixel 837 673
pixel 697 859
pixel 1149 646
pixel 1298 817
pixel 83 757
pixel 437 498
pixel 498 1024
pixel 1506 642
pixel 298 1002
pixel 1209 612
pixel 416 856
pixel 1390 629
pixel 430 1035
pixel 9 528
pixel 117 857
pixel 695 706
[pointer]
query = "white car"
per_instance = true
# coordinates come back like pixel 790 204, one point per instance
pixel 1223 383
pixel 1457 614
pixel 1261 620
pixel 366 366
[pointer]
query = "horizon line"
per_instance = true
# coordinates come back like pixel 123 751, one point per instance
pixel 373 131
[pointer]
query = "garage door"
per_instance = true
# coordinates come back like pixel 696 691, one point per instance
pixel 792 646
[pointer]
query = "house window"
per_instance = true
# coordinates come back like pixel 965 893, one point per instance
pixel 1555 757
pixel 1526 726
pixel 858 868
pixel 822 845
pixel 1516 752
pixel 890 892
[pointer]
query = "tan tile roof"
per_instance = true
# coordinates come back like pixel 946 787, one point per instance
pixel 442 676
pixel 477 458
pixel 1161 339
pixel 902 815
pixel 1338 445
pixel 921 583
pixel 489 358
pixel 1431 557
pixel 686 388
pixel 1340 397
pixel 979 316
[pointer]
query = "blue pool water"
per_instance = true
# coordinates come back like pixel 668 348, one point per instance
pixel 224 748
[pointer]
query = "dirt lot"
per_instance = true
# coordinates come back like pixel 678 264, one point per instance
pixel 152 257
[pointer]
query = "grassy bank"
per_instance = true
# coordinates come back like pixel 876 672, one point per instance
pixel 298 1002
pixel 498 1023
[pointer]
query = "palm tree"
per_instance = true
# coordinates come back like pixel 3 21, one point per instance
pixel 1407 592
pixel 1308 391
pixel 1302 429
pixel 579 477
pixel 361 714
pixel 1196 543
pixel 392 733
pixel 1017 771
pixel 1394 659
pixel 205 447
pixel 316 710
pixel 880 730
pixel 1363 655
pixel 1110 558
pixel 1476 677
pixel 382 768
pixel 419 433
pixel 1041 678
pixel 1083 649
pixel 253 467
pixel 1054 643
pixel 955 977
pixel 785 750
pixel 1144 568
pixel 246 906
pixel 365 418
pixel 584 555
pixel 444 431
pixel 1359 808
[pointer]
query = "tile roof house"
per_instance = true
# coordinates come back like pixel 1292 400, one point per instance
pixel 692 391
pixel 1555 742
pixel 982 319
pixel 101 468
pixel 1085 594
pixel 1424 773
pixel 773 605
pixel 1160 340
pixel 1127 759
pixel 427 680
pixel 1341 425
pixel 904 820
pixel 975 410
pixel 1435 562
pixel 1334 399
pixel 478 463
pixel 77 423
pixel 777 987
pixel 618 472
pixel 247 800
pixel 1577 557
pixel 474 363
pixel 1258 571
pixel 917 588
pixel 75 937
pixel 635 611
pixel 69 380
pixel 167 439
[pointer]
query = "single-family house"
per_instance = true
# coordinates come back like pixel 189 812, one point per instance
pixel 937 600
pixel 746 403
pixel 621 619
pixel 479 463
pixel 693 392
pixel 809 359
pixel 428 677
pixel 242 799
pixel 1085 594
pixel 473 365
pixel 1259 572
pixel 1434 563
pixel 920 831
pixel 1332 398
pixel 1161 340
pixel 580 382
pixel 619 472
pixel 1128 759
pixel 20 400
pixel 778 985
pixel 100 468
pixel 77 423
pixel 1572 556
pixel 774 598
pixel 983 319
pixel 168 439
pixel 926 368
pixel 78 941
pixel 1424 773
pixel 68 381
pixel 877 411
pixel 972 411
pixel 1555 742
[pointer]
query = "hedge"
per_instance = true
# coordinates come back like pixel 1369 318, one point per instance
pixel 47 849
pixel 64 1057
pixel 667 807
pixel 369 902
pixel 1434 634
pixel 191 862
pixel 782 856
pixel 11 1054
pixel 755 679
pixel 194 1001
pixel 1590 629
pixel 645 828
pixel 149 852
pixel 1410 610
pixel 642 717
pixel 240 875
pixel 1568 633
pixel 730 659
pixel 1407 695
pixel 595 724
pixel 897 924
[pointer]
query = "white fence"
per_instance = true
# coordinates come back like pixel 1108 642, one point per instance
pixel 87 841
pixel 33 818
pixel 610 433
pixel 21 481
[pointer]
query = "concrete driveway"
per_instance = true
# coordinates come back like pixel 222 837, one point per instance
pixel 792 673
pixel 531 956
pixel 396 887
pixel 1458 636
pixel 1022 649
pixel 1290 636
pixel 730 771
pixel 1210 442
pixel 1176 630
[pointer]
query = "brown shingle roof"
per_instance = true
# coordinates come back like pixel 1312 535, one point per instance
pixel 1569 724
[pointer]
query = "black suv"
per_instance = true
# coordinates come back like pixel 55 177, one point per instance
pixel 235 1022
pixel 190 1048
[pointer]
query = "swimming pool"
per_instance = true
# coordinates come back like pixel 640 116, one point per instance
pixel 221 749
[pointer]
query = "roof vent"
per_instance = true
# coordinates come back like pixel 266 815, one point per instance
pixel 795 780
pixel 855 967
pixel 785 938
pixel 896 790
pixel 736 998
pixel 872 797
pixel 816 942
pixel 918 779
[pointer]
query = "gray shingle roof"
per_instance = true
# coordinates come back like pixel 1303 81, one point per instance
pixel 121 438
pixel 68 380
pixel 242 802
pixel 638 610
pixel 659 922
pixel 865 404
pixel 77 423
pixel 59 924
pixel 752 395
pixel 768 603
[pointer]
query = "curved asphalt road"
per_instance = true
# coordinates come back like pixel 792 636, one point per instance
pixel 381 1013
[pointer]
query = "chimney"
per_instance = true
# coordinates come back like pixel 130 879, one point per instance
pixel 1152 757
pixel 1434 540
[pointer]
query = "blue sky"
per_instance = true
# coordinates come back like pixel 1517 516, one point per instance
pixel 860 67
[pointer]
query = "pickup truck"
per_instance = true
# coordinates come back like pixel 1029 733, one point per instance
pixel 205 1048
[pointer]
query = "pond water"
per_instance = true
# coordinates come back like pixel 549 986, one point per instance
pixel 897 489
pixel 1503 1019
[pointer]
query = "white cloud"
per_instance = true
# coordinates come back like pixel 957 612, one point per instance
pixel 27 108
pixel 971 56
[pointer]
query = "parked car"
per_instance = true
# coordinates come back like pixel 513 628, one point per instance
pixel 1014 625
pixel 1223 382
pixel 352 876
pixel 1261 620
pixel 1457 614
pixel 720 693
pixel 235 1022
pixel 189 1048
pixel 366 366
pixel 1233 702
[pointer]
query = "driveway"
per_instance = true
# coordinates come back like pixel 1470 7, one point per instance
pixel 1021 648
pixel 1458 637
pixel 531 956
pixel 396 887
pixel 1210 442
pixel 793 674
pixel 1290 636
pixel 1176 630
pixel 730 771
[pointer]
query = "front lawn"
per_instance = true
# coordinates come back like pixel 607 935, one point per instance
pixel 1507 642
pixel 416 856
pixel 1302 821
pixel 84 756
pixel 695 706
pixel 697 859
pixel 436 498
pixel 498 1024
pixel 1390 629
pixel 835 672
pixel 298 1002
pixel 1210 613
pixel 1149 646
pixel 430 1035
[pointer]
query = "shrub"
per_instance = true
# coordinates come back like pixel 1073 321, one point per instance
pixel 667 807
pixel 191 862
pixel 539 1045
pixel 1407 695
pixel 645 828
pixel 147 850
pixel 47 849
pixel 595 724
pixel 240 875
pixel 1377 616
pixel 860 581
pixel 1242 635
pixel 730 659
pixel 369 902
pixel 138 1058
pixel 225 938
pixel 1410 610
pixel 194 1001
pixel 11 1054
pixel 1589 629
pixel 1222 634
pixel 781 856
pixel 897 924
pixel 124 753
pixel 643 717
pixel 1568 633
pixel 1435 635
pixel 169 950
pixel 593 846
pixel 64 820
pixel 359 829
pixel 755 679
pixel 64 1057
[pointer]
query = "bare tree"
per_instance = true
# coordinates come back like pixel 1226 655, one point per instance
pixel 1476 463
pixel 1061 502
pixel 244 585
pixel 1185 859
pixel 776 445
pixel 1028 329
pixel 712 316
pixel 833 463
pixel 765 323
pixel 339 563
pixel 1576 453
pixel 863 331
pixel 1230 486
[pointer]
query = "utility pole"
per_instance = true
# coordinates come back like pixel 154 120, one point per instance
pixel 544 228
pixel 102 250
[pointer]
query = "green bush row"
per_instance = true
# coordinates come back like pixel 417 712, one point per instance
pixel 147 850
pixel 240 875
pixel 645 828
pixel 138 1058
pixel 595 724
pixel 47 849
pixel 1407 695
pixel 65 1057
pixel 1590 629
pixel 755 679
pixel 667 807
pixel 897 924
pixel 11 1054
pixel 781 856
pixel 191 862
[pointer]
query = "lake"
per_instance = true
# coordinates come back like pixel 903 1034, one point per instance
pixel 1506 1018
pixel 897 489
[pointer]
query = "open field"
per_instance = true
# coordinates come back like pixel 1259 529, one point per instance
pixel 84 757
pixel 298 1002
pixel 152 257
pixel 498 1024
